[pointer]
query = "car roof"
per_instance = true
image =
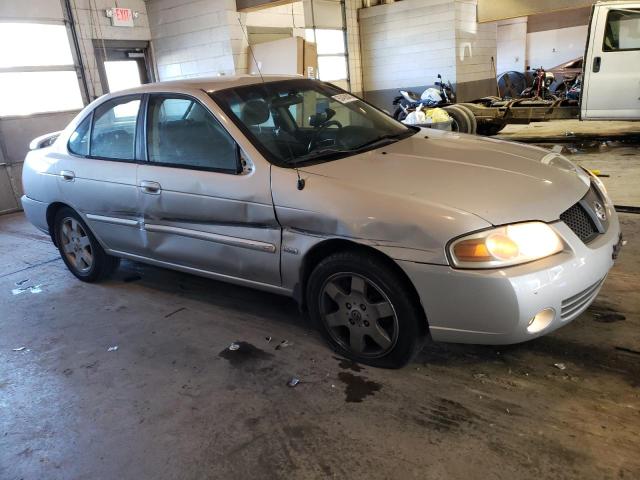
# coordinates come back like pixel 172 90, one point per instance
pixel 208 84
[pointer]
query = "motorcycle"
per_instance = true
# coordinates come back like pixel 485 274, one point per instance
pixel 542 80
pixel 440 96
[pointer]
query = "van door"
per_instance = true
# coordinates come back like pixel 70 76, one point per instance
pixel 611 84
pixel 202 210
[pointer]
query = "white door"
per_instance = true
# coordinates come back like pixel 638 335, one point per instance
pixel 611 86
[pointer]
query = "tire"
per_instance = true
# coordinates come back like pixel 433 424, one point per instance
pixel 81 252
pixel 473 124
pixel 461 122
pixel 384 327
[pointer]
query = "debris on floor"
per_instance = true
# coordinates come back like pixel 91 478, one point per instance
pixel 19 349
pixel 608 317
pixel 113 349
pixel 293 381
pixel 627 350
pixel 283 344
pixel 32 289
pixel 560 366
pixel 170 314
pixel 268 339
pixel 244 354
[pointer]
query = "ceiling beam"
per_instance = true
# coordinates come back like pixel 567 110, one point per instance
pixel 490 10
pixel 254 5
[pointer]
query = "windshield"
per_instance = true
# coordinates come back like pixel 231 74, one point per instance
pixel 299 121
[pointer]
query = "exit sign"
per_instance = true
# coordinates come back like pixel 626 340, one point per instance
pixel 121 17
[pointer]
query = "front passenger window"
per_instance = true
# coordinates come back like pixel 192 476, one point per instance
pixel 114 129
pixel 182 133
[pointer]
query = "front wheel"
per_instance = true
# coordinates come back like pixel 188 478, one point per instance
pixel 364 310
pixel 81 252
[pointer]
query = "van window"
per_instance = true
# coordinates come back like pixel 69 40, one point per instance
pixel 622 31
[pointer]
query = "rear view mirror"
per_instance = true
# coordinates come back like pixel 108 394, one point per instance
pixel 321 118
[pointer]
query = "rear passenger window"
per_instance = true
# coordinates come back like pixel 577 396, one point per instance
pixel 79 140
pixel 114 129
pixel 182 133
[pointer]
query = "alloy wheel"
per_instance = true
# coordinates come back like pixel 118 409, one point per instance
pixel 358 315
pixel 76 245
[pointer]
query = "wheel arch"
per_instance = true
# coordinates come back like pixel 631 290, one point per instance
pixel 52 210
pixel 328 247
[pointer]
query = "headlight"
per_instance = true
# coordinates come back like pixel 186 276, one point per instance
pixel 505 246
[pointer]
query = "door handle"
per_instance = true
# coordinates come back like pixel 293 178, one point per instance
pixel 596 64
pixel 67 175
pixel 152 188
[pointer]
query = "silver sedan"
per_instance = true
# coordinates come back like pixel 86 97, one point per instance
pixel 384 233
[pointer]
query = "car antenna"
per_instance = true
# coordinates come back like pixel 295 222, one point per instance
pixel 253 56
pixel 301 182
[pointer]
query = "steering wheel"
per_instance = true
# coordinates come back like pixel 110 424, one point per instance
pixel 319 130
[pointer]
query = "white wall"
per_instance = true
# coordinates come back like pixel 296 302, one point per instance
pixel 93 23
pixel 353 44
pixel 282 16
pixel 193 38
pixel 512 45
pixel 407 43
pixel 475 44
pixel 553 47
pixel 17 132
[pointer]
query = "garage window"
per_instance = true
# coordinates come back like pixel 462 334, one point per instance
pixel 622 31
pixel 332 54
pixel 36 70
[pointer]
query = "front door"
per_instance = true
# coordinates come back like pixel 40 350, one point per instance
pixel 611 86
pixel 201 209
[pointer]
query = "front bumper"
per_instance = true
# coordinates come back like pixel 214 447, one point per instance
pixel 496 306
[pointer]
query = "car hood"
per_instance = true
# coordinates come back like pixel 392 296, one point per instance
pixel 501 182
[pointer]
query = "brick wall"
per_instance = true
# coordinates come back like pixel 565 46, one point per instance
pixel 193 38
pixel 92 23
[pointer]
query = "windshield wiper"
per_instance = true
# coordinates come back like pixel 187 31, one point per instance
pixel 323 154
pixel 383 138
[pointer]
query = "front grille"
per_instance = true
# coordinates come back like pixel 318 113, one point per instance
pixel 573 305
pixel 578 220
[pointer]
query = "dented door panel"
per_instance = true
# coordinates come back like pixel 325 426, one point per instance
pixel 219 222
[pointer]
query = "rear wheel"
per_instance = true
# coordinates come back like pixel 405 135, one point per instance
pixel 79 249
pixel 462 120
pixel 473 124
pixel 364 311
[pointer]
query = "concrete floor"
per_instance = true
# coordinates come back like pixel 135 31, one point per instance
pixel 173 402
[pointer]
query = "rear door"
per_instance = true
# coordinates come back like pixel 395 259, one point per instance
pixel 98 175
pixel 611 86
pixel 201 209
